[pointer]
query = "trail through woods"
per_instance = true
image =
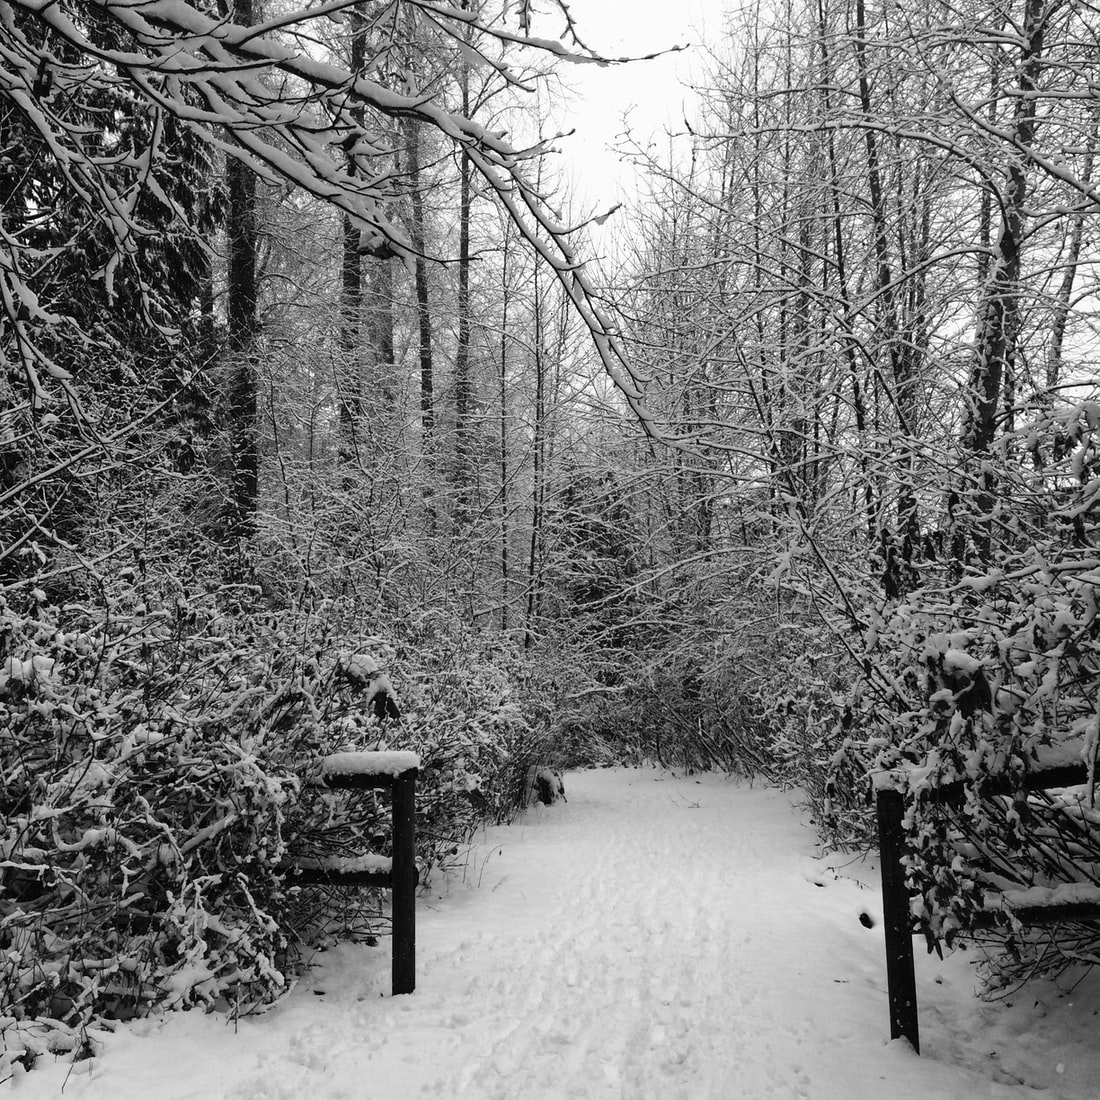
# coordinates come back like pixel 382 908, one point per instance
pixel 657 937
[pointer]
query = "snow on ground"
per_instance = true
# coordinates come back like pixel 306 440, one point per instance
pixel 655 938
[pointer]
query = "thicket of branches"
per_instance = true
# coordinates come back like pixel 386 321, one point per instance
pixel 288 334
pixel 866 298
pixel 298 363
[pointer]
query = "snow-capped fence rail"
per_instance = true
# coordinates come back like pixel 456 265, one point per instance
pixel 398 873
pixel 1034 906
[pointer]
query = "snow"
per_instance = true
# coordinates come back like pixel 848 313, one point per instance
pixel 1060 754
pixel 919 777
pixel 654 938
pixel 958 660
pixel 361 667
pixel 1034 897
pixel 362 670
pixel 346 865
pixel 369 763
pixel 20 671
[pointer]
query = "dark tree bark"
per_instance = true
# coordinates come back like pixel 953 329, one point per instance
pixel 381 319
pixel 502 378
pixel 538 475
pixel 463 381
pixel 897 550
pixel 242 323
pixel 423 314
pixel 998 324
pixel 464 475
pixel 1064 297
pixel 349 383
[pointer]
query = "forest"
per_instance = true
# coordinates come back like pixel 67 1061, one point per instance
pixel 307 356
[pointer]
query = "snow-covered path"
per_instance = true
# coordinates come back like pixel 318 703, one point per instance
pixel 656 938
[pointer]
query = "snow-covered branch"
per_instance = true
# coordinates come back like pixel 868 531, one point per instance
pixel 269 96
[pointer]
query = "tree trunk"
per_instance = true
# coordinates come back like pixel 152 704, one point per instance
pixel 538 445
pixel 1064 296
pixel 381 321
pixel 994 350
pixel 463 383
pixel 424 319
pixel 348 377
pixel 242 323
pixel 896 548
pixel 848 335
pixel 349 381
pixel 505 524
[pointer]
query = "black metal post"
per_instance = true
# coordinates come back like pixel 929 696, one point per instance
pixel 897 919
pixel 403 882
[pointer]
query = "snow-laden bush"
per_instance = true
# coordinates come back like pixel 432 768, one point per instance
pixel 734 679
pixel 142 812
pixel 986 680
pixel 466 710
pixel 993 673
pixel 156 757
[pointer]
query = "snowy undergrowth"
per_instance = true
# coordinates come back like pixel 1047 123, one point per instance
pixel 981 681
pixel 655 938
pixel 155 753
pixel 987 672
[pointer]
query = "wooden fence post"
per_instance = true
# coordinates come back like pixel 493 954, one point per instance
pixel 897 919
pixel 403 879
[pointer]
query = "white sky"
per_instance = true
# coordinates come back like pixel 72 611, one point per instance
pixel 653 93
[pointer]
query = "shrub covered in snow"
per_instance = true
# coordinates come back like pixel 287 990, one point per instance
pixel 157 754
pixel 734 678
pixel 142 811
pixel 990 678
pixel 992 672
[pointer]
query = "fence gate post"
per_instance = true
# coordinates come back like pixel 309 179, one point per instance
pixel 897 919
pixel 403 882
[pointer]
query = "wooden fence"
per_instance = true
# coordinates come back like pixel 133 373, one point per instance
pixel 899 925
pixel 398 873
